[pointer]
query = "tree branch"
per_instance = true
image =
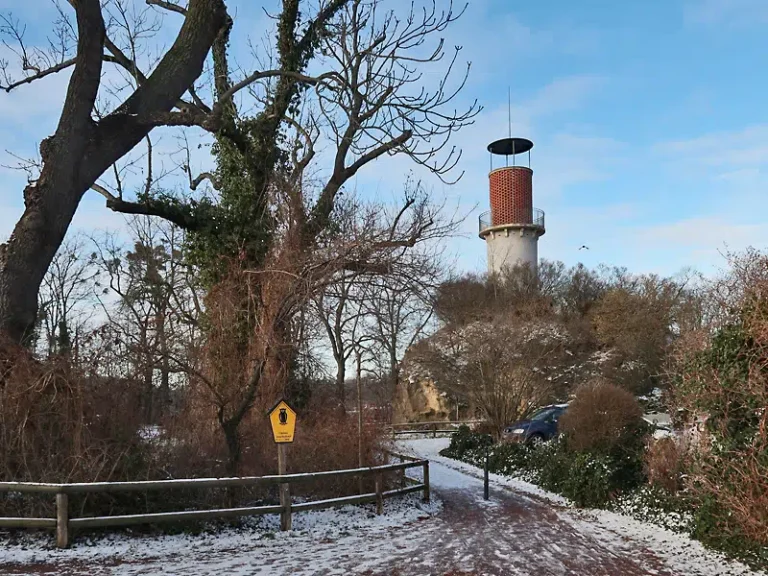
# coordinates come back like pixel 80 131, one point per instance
pixel 182 216
pixel 40 74
pixel 195 182
pixel 325 203
pixel 86 77
pixel 170 6
pixel 104 192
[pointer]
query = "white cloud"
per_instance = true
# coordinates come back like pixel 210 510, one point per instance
pixel 703 233
pixel 700 241
pixel 738 147
pixel 564 94
pixel 727 12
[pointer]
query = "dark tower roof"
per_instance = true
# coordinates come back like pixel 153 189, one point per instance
pixel 510 146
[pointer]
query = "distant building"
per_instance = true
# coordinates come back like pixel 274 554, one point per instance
pixel 512 227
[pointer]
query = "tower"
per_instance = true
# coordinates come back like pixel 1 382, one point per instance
pixel 511 228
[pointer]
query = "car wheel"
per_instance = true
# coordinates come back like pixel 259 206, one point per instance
pixel 536 440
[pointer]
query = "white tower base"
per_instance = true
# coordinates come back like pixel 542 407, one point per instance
pixel 512 246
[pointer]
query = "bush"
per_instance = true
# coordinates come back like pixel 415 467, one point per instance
pixel 550 465
pixel 485 428
pixel 590 480
pixel 599 456
pixel 323 442
pixel 62 424
pixel 509 458
pixel 657 506
pixel 716 527
pixel 720 382
pixel 464 440
pixel 665 464
pixel 604 419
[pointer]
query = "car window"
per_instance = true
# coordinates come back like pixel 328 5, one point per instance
pixel 543 414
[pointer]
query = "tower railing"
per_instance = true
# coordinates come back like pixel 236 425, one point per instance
pixel 485 221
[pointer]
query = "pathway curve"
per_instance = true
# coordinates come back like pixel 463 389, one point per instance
pixel 515 533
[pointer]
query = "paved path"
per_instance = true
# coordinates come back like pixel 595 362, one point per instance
pixel 512 534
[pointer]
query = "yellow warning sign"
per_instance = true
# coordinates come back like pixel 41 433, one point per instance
pixel 283 420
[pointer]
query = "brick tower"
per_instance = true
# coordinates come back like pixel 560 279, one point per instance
pixel 511 228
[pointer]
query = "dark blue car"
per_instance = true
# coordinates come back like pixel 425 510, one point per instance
pixel 540 427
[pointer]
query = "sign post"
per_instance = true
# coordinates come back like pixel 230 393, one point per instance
pixel 283 420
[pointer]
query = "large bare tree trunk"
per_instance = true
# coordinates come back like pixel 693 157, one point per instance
pixel 51 201
pixel 81 149
pixel 25 259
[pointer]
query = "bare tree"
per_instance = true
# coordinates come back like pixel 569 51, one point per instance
pixel 400 309
pixel 65 298
pixel 389 309
pixel 152 302
pixel 338 309
pixel 87 35
pixel 237 374
pixel 637 319
pixel 373 103
pixel 370 95
pixel 503 369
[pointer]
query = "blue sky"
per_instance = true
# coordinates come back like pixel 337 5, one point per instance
pixel 648 117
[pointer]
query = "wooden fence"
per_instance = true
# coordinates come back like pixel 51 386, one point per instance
pixel 63 523
pixel 429 428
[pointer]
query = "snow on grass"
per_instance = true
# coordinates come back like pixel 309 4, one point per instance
pixel 441 478
pixel 678 551
pixel 316 539
pixel 409 537
pixel 619 532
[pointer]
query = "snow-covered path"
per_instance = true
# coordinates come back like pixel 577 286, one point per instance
pixel 524 530
pixel 520 531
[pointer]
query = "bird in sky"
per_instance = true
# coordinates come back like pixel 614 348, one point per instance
pixel 584 248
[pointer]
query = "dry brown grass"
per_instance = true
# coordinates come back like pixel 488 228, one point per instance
pixel 325 440
pixel 61 424
pixel 666 461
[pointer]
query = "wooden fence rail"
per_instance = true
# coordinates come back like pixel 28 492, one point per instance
pixel 63 523
pixel 407 479
pixel 429 428
pixel 453 423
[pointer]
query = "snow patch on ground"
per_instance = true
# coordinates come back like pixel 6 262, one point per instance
pixel 618 532
pixel 322 536
pixel 679 552
pixel 522 530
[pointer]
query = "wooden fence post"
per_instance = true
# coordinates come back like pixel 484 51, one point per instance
pixel 379 495
pixel 285 489
pixel 434 430
pixel 425 497
pixel 62 520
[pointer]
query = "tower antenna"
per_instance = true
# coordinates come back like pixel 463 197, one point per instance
pixel 509 109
